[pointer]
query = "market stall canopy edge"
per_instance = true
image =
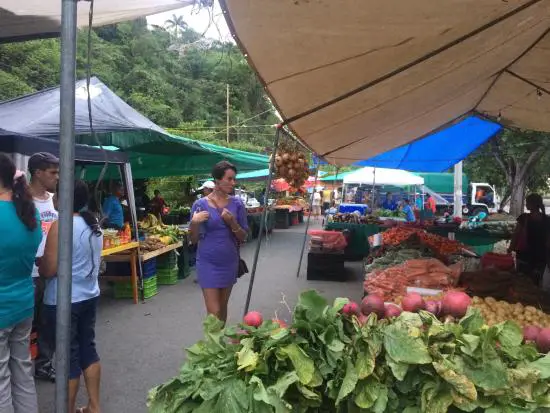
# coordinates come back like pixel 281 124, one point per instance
pixel 356 78
pixel 152 151
pixel 382 176
pixel 32 19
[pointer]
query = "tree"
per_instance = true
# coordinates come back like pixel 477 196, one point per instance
pixel 518 161
pixel 177 24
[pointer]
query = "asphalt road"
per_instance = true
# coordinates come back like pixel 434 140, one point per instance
pixel 142 345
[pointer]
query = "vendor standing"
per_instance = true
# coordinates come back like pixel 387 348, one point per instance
pixel 389 203
pixel 408 211
pixel 531 239
pixel 430 204
pixel 112 207
pixel 158 204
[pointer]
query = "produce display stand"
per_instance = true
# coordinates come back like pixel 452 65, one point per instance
pixel 480 240
pixel 254 219
pixel 128 252
pixel 358 246
pixel 286 216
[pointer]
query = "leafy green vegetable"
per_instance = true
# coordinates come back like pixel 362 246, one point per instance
pixel 326 362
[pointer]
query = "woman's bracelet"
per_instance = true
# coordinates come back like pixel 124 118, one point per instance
pixel 236 230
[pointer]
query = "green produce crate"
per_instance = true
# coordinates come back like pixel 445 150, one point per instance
pixel 167 261
pixel 123 289
pixel 183 262
pixel 167 277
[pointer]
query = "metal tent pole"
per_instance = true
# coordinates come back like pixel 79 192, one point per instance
pixel 263 219
pixel 307 222
pixel 66 190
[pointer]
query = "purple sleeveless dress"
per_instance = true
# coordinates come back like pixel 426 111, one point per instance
pixel 217 253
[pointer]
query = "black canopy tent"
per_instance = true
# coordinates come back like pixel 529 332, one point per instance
pixel 25 145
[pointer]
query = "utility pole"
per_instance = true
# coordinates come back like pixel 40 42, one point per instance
pixel 227 114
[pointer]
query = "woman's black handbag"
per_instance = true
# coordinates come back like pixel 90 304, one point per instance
pixel 243 268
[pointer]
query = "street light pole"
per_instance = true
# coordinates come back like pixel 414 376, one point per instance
pixel 66 189
pixel 227 112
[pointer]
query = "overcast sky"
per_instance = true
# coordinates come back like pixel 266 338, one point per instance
pixel 199 20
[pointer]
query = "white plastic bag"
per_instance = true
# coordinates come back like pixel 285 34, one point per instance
pixel 546 280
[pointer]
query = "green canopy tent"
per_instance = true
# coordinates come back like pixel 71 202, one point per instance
pixel 152 151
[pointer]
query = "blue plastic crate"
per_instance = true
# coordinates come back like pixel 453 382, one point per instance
pixel 149 268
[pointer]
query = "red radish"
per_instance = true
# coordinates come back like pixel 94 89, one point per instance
pixel 530 333
pixel 543 340
pixel 253 319
pixel 391 311
pixel 413 302
pixel 455 303
pixel 281 323
pixel 373 304
pixel 350 309
pixel 363 319
pixel 433 307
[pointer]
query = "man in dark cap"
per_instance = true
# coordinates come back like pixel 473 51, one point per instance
pixel 44 170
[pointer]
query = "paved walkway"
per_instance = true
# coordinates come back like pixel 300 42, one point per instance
pixel 142 345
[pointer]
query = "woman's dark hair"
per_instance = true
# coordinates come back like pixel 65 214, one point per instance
pixel 21 196
pixel 219 169
pixel 536 201
pixel 81 199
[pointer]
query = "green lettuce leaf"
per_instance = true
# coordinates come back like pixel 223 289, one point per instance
pixel 404 348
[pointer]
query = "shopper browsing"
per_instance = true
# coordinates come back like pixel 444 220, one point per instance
pixel 44 170
pixel 218 225
pixel 87 244
pixel 19 219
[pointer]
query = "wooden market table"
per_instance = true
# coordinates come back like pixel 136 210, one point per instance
pixel 129 253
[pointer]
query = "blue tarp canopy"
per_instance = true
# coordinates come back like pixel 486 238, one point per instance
pixel 439 151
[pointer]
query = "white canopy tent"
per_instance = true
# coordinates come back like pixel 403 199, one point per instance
pixel 383 176
pixel 26 19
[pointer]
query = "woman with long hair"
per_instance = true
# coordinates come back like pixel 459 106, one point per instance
pixel 20 226
pixel 530 240
pixel 87 245
pixel 218 225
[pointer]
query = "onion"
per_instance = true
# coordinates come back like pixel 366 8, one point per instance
pixel 413 302
pixel 543 340
pixel 278 161
pixel 433 307
pixel 455 303
pixel 291 172
pixel 373 304
pixel 530 333
pixel 286 157
pixel 391 310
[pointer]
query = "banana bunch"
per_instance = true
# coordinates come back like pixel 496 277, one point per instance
pixel 149 221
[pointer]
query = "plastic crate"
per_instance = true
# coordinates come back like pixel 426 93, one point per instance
pixel 123 289
pixel 167 277
pixel 123 269
pixel 167 261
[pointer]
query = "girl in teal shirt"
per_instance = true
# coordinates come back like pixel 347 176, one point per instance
pixel 21 235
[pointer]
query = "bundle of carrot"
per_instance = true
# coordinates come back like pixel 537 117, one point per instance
pixel 439 245
pixel 392 282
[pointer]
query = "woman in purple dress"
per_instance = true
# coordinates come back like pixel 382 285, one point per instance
pixel 218 225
